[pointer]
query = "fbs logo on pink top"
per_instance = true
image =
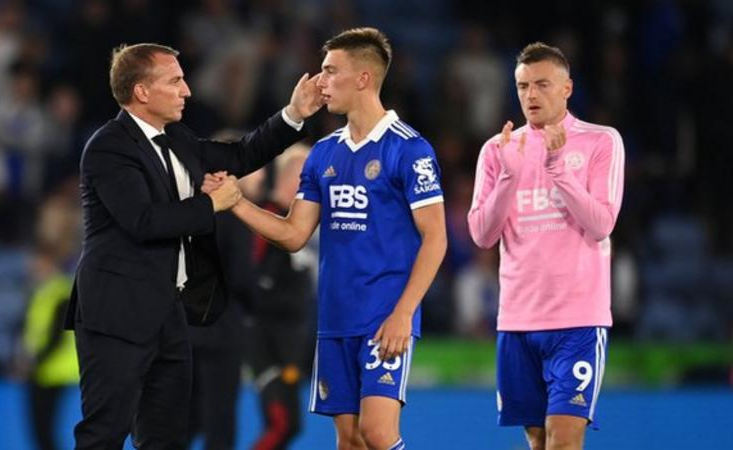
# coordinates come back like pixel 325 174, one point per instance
pixel 539 199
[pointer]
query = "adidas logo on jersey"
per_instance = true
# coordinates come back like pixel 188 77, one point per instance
pixel 330 172
pixel 578 400
pixel 386 379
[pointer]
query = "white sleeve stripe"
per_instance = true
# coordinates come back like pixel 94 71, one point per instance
pixel 409 128
pixel 398 132
pixel 300 195
pixel 616 167
pixel 428 201
pixel 402 127
pixel 617 156
pixel 334 134
pixel 612 168
pixel 398 126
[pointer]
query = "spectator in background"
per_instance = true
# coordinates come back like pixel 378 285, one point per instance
pixel 479 75
pixel 218 350
pixel 279 335
pixel 63 135
pixel 22 131
pixel 476 295
pixel 50 354
pixel 12 20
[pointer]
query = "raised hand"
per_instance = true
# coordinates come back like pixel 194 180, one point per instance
pixel 511 154
pixel 306 98
pixel 554 136
pixel 394 335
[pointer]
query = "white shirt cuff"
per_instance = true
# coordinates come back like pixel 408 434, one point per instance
pixel 297 125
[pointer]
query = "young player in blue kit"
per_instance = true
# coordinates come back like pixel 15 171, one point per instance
pixel 374 187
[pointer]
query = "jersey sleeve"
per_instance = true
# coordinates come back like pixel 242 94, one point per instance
pixel 597 205
pixel 493 192
pixel 309 189
pixel 420 174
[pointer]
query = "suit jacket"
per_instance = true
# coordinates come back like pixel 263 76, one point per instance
pixel 125 280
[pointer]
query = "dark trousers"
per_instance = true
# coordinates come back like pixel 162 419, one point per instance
pixel 44 402
pixel 143 388
pixel 216 383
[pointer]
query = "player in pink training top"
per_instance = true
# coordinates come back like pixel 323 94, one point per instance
pixel 549 193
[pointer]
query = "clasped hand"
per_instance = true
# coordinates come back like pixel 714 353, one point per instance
pixel 223 190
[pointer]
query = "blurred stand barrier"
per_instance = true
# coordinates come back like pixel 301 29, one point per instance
pixel 454 417
pixel 441 362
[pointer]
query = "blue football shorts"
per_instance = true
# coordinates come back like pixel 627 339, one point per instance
pixel 345 370
pixel 556 372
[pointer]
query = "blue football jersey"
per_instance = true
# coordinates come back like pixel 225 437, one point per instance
pixel 368 240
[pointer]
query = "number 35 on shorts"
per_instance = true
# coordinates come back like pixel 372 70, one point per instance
pixel 392 364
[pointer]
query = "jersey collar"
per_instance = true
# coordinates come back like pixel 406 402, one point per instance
pixel 374 136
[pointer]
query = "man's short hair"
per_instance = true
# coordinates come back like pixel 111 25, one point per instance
pixel 363 43
pixel 539 51
pixel 132 64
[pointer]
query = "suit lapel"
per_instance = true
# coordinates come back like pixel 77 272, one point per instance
pixel 150 156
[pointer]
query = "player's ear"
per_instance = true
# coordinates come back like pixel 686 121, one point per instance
pixel 363 80
pixel 568 88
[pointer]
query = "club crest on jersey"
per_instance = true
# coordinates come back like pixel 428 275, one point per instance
pixel 574 160
pixel 427 178
pixel 372 169
pixel 330 172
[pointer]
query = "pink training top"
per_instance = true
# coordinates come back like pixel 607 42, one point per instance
pixel 553 216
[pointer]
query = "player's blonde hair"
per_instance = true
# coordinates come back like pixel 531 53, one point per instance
pixel 364 43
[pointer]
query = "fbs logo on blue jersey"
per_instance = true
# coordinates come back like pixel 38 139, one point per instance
pixel 427 177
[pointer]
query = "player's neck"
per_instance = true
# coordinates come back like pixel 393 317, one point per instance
pixel 558 119
pixel 363 119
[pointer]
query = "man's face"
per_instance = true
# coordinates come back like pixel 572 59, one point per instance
pixel 166 91
pixel 543 89
pixel 340 81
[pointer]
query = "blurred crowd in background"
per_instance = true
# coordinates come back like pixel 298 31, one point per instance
pixel 657 70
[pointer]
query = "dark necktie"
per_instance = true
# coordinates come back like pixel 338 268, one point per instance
pixel 165 144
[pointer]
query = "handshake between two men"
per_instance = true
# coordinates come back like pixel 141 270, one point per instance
pixel 223 190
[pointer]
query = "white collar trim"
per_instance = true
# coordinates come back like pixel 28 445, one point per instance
pixel 375 135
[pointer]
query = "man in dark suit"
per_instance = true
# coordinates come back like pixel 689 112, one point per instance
pixel 142 202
